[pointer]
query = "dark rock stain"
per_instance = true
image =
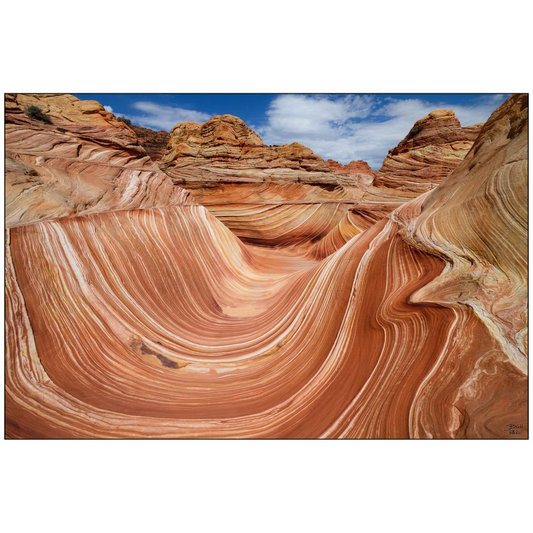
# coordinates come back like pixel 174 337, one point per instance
pixel 165 361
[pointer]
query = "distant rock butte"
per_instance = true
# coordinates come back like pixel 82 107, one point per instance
pixel 360 167
pixel 432 149
pixel 289 195
pixel 226 142
pixel 154 142
pixel 265 194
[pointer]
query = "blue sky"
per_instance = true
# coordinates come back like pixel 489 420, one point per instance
pixel 343 127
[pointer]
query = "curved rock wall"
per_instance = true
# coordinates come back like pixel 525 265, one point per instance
pixel 159 322
pixel 82 161
pixel 270 195
pixel 478 221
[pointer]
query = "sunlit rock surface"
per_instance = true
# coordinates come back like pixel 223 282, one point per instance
pixel 157 321
pixel 356 167
pixel 432 149
pixel 477 220
pixel 270 195
pixel 82 161
pixel 287 195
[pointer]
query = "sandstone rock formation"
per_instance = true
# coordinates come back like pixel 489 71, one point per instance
pixel 265 194
pixel 155 320
pixel 477 220
pixel 433 148
pixel 82 161
pixel 287 195
pixel 226 142
pixel 154 142
pixel 355 167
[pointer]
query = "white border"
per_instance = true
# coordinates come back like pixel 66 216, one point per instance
pixel 258 485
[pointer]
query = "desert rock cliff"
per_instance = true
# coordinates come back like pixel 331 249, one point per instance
pixel 71 158
pixel 132 312
pixel 269 195
pixel 432 149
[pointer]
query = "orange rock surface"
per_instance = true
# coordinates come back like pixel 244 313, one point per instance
pixel 265 194
pixel 477 221
pixel 154 142
pixel 155 320
pixel 356 167
pixel 433 148
pixel 82 161
pixel 287 195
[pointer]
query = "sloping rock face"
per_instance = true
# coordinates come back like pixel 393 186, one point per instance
pixel 433 148
pixel 227 142
pixel 154 142
pixel 273 195
pixel 478 221
pixel 157 321
pixel 79 160
pixel 287 195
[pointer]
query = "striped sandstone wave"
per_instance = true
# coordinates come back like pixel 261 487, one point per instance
pixel 288 196
pixel 271 195
pixel 160 322
pixel 83 161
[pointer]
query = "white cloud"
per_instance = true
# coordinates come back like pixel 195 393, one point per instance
pixel 317 116
pixel 357 127
pixel 164 117
pixel 108 108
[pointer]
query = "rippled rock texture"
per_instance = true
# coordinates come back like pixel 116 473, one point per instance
pixel 157 321
pixel 75 159
pixel 269 195
pixel 432 149
pixel 287 195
